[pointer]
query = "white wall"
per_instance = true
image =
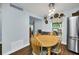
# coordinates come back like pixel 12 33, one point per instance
pixel 15 29
pixel 0 29
pixel 0 26
pixel 68 13
pixel 38 24
pixel 64 31
pixel 47 27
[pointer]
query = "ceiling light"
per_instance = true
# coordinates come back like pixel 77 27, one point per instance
pixel 51 8
pixel 51 5
pixel 54 9
pixel 50 13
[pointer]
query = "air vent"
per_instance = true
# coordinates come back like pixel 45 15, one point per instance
pixel 14 6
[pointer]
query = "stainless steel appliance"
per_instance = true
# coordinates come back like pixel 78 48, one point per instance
pixel 73 33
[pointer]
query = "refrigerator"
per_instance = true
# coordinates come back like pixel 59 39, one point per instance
pixel 73 34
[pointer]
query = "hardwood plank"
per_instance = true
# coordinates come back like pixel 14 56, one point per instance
pixel 24 51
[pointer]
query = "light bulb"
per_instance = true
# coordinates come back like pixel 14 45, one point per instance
pixel 51 13
pixel 54 9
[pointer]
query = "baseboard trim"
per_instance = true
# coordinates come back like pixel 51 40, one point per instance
pixel 8 53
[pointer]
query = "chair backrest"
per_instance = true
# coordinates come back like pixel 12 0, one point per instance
pixel 45 33
pixel 39 31
pixel 55 33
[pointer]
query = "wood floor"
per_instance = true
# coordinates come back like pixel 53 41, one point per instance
pixel 24 51
pixel 28 51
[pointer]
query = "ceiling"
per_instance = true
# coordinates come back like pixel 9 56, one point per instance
pixel 41 9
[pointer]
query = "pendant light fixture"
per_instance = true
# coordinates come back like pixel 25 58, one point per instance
pixel 46 21
pixel 51 11
pixel 51 8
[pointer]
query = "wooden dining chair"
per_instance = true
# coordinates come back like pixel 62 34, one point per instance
pixel 36 49
pixel 54 33
pixel 57 49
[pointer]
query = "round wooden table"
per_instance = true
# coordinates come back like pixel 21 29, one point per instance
pixel 47 41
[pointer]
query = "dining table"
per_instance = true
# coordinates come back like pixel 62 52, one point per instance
pixel 47 41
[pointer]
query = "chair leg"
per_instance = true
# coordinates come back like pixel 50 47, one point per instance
pixel 43 52
pixel 49 50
